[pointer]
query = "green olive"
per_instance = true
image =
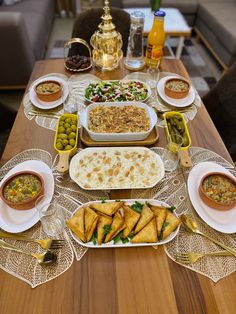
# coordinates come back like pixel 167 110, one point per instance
pixel 68 147
pixel 68 131
pixel 68 120
pixel 66 125
pixel 72 135
pixel 65 142
pixel 62 118
pixel 72 142
pixel 73 122
pixel 61 123
pixel 61 129
pixel 63 136
pixel 59 146
pixel 73 127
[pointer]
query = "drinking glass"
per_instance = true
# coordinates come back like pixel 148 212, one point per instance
pixel 170 155
pixel 51 215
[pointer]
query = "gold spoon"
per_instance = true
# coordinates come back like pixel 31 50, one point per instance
pixel 44 259
pixel 191 225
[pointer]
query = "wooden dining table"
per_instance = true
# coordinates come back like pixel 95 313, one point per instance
pixel 122 280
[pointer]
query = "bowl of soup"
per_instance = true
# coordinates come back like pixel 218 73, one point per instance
pixel 22 189
pixel 176 88
pixel 48 90
pixel 218 190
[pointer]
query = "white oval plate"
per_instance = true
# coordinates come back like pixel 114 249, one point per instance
pixel 122 164
pixel 52 104
pixel 144 83
pixel 13 220
pixel 220 220
pixel 184 102
pixel 120 243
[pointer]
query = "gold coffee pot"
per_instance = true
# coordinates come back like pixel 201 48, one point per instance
pixel 106 43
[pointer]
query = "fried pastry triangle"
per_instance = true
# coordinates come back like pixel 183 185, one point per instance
pixel 160 214
pixel 117 225
pixel 171 223
pixel 103 220
pixel 146 216
pixel 76 224
pixel 107 208
pixel 131 218
pixel 147 234
pixel 90 222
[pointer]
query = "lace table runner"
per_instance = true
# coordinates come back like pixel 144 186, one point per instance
pixel 173 190
pixel 77 85
pixel 69 196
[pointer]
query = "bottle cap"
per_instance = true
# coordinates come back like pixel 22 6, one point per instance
pixel 159 13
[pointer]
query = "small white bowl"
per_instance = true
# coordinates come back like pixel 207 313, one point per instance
pixel 118 137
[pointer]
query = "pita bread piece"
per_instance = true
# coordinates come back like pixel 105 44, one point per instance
pixel 117 225
pixel 147 234
pixel 131 218
pixel 160 214
pixel 90 222
pixel 146 216
pixel 76 224
pixel 103 220
pixel 107 208
pixel 170 224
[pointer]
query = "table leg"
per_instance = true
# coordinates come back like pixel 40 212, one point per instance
pixel 179 47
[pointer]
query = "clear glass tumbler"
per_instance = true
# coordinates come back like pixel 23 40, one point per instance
pixel 170 156
pixel 51 215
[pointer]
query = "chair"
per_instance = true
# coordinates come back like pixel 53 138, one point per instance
pixel 87 23
pixel 221 105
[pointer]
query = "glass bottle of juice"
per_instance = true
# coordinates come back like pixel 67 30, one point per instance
pixel 156 40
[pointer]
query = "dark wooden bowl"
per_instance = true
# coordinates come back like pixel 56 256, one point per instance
pixel 29 203
pixel 211 202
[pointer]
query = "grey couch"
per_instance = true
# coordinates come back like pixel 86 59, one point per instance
pixel 24 31
pixel 213 20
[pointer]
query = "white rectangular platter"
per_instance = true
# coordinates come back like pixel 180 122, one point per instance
pixel 120 244
pixel 113 168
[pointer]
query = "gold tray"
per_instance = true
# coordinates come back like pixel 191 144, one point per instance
pixel 151 139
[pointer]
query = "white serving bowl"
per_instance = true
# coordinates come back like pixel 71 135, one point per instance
pixel 118 137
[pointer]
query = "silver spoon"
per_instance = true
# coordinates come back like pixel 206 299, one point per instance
pixel 191 225
pixel 44 259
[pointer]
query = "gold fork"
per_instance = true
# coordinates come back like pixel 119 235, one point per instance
pixel 46 244
pixel 192 257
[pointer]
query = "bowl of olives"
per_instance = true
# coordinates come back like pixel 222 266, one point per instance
pixel 66 139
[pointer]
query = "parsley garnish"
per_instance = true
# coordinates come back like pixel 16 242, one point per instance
pixel 125 240
pixel 131 235
pixel 172 208
pixel 94 237
pixel 137 207
pixel 118 237
pixel 106 229
pixel 165 224
pixel 103 199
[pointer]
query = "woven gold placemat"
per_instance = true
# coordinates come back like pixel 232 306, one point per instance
pixel 69 196
pixel 77 85
pixel 173 190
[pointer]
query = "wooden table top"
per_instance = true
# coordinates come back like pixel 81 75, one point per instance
pixel 127 280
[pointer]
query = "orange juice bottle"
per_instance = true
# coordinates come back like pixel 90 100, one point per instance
pixel 156 40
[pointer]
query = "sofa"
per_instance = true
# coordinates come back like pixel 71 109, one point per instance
pixel 213 20
pixel 24 31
